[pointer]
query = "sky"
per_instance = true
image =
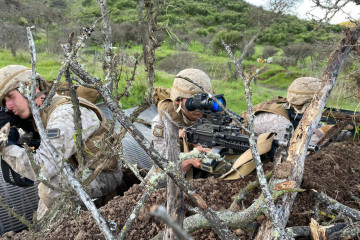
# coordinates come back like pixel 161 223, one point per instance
pixel 351 8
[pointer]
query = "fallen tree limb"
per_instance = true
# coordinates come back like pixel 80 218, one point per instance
pixel 351 231
pixel 246 190
pixel 304 231
pixel 332 204
pixel 235 219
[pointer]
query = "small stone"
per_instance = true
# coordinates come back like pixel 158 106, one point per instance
pixel 239 232
pixel 81 235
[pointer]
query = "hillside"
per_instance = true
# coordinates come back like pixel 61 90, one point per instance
pixel 191 36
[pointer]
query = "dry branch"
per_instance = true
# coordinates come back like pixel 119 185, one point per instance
pixel 310 119
pixel 269 201
pixel 107 44
pixel 304 231
pixel 79 145
pixel 154 155
pixel 66 170
pixel 174 196
pixel 332 204
pixel 160 212
pixel 246 190
pixel 154 181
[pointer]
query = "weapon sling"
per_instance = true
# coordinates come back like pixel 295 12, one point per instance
pixel 18 179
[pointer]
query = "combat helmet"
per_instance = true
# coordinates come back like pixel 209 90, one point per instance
pixel 11 76
pixel 182 88
pixel 301 91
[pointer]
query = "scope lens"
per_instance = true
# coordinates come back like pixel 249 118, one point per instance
pixel 216 107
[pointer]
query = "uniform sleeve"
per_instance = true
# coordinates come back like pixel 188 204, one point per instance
pixel 61 118
pixel 158 140
pixel 265 122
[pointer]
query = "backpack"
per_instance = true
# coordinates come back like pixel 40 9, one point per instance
pixel 89 94
pixel 161 93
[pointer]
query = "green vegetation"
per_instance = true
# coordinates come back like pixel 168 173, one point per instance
pixel 196 28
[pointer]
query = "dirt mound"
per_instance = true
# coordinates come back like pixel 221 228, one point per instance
pixel 333 170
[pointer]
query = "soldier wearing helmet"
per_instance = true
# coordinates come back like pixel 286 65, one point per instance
pixel 174 106
pixel 58 121
pixel 274 115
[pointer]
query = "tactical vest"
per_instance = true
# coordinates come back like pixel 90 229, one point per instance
pixel 97 136
pixel 274 105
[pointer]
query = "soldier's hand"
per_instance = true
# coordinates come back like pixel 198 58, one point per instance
pixel 201 148
pixel 192 162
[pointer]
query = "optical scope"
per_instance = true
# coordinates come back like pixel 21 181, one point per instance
pixel 202 101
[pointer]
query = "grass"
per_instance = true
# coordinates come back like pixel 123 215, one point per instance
pixel 272 82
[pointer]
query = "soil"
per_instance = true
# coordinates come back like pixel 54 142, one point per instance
pixel 333 170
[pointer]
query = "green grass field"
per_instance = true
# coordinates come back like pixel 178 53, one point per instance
pixel 273 81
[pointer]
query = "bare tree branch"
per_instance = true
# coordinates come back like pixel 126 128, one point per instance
pixel 302 134
pixel 269 201
pixel 66 170
pixel 160 212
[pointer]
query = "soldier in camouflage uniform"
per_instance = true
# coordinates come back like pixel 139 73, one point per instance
pixel 59 121
pixel 273 115
pixel 181 90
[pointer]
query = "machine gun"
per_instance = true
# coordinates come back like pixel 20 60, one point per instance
pixel 329 116
pixel 216 132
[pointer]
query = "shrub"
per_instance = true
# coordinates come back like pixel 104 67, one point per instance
pixel 232 38
pixel 269 51
pixel 125 33
pixel 175 63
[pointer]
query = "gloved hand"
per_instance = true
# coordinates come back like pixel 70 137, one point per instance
pixel 6 117
pixel 13 137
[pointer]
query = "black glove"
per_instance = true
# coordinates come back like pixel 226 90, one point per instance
pixel 13 137
pixel 6 117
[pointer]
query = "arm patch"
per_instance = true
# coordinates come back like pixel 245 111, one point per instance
pixel 53 133
pixel 158 131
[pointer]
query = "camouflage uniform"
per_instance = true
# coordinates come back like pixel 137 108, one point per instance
pixel 181 88
pixel 60 118
pixel 264 123
pixel 275 119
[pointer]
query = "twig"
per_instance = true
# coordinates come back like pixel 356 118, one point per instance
pixel 332 204
pixel 107 45
pixel 79 145
pixel 149 149
pixel 12 212
pixel 154 181
pixel 160 212
pixel 81 39
pixel 57 156
pixel 246 190
pixel 256 156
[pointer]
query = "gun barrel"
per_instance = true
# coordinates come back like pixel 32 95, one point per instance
pixel 313 148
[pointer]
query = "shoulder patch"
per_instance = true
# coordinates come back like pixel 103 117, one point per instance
pixel 53 133
pixel 158 131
